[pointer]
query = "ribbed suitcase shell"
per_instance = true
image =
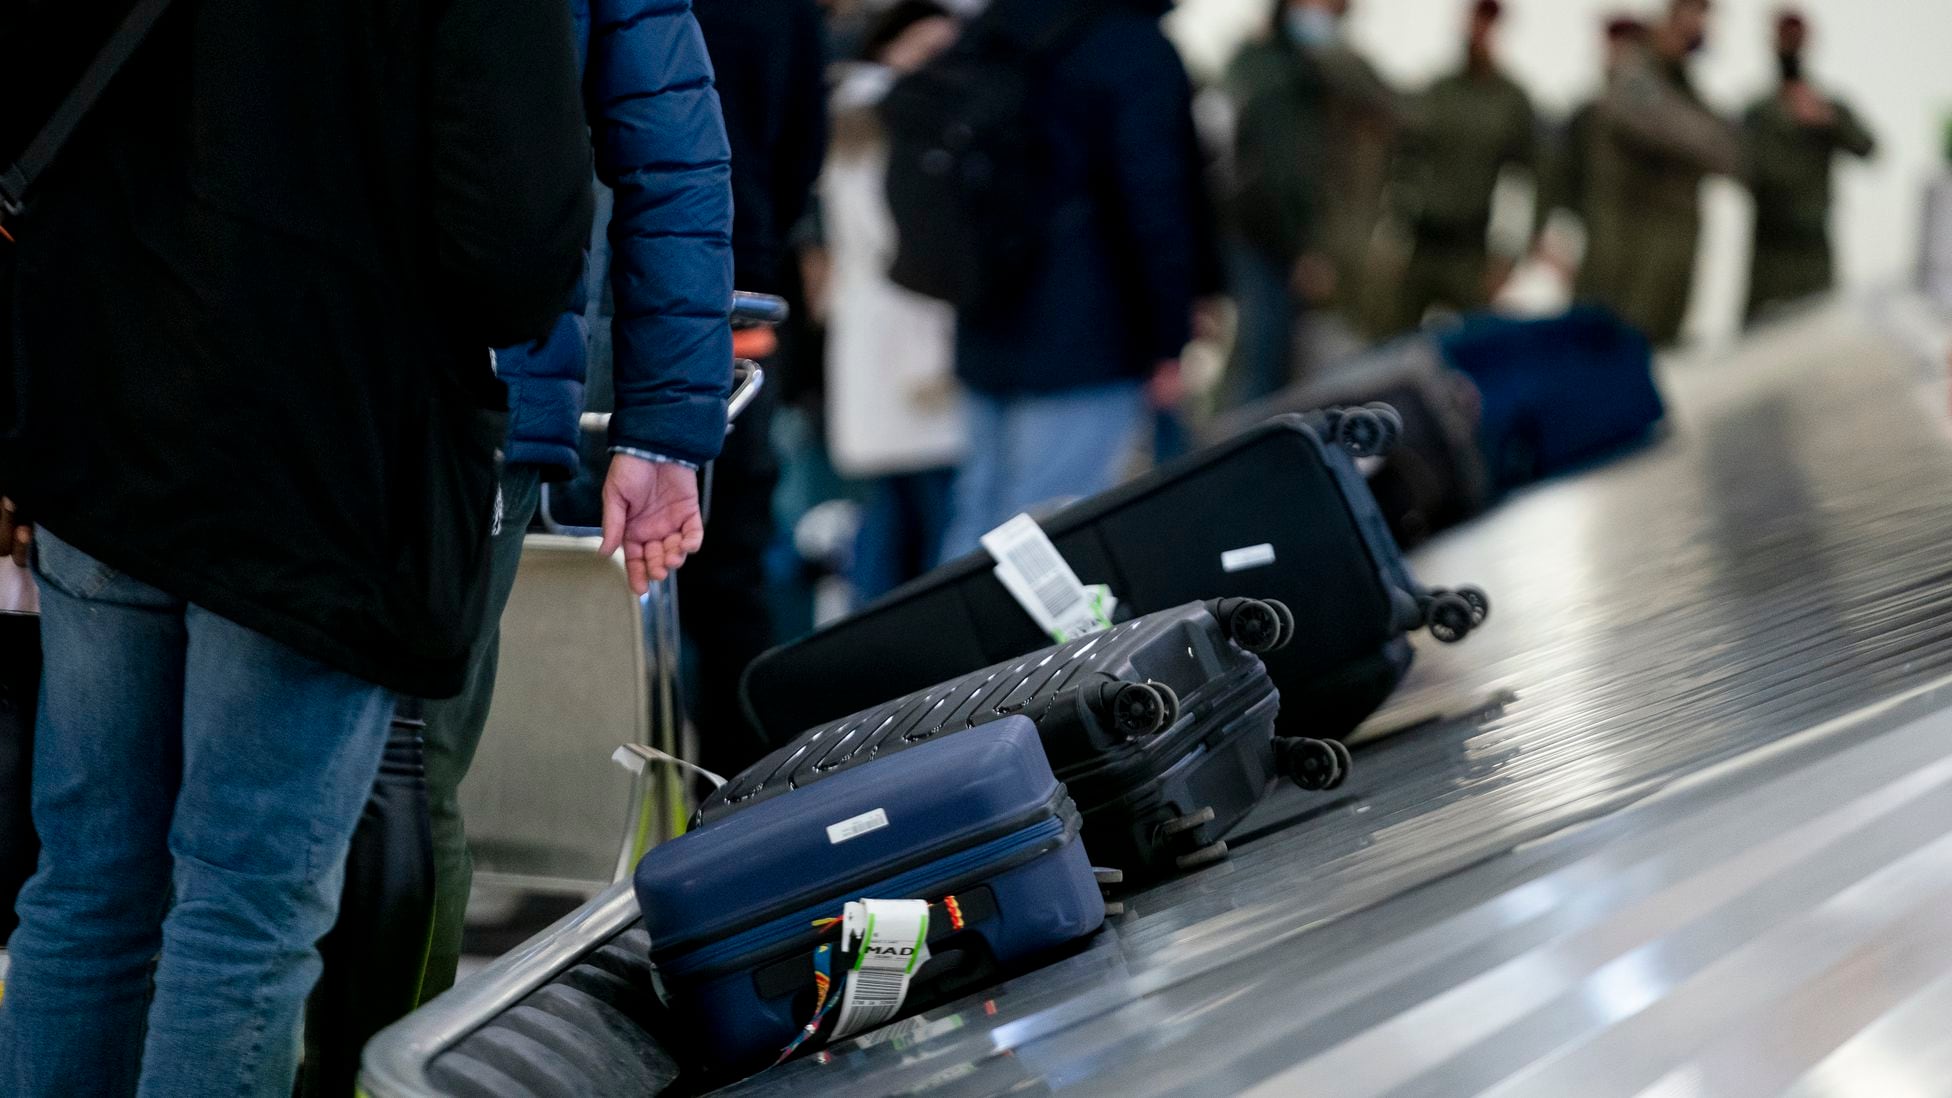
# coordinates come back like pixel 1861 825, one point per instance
pixel 1218 754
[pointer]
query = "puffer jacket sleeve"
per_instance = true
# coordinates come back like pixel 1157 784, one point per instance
pixel 661 147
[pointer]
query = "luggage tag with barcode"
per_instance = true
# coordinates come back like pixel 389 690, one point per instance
pixel 888 941
pixel 1043 583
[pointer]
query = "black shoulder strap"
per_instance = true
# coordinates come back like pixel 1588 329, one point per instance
pixel 18 178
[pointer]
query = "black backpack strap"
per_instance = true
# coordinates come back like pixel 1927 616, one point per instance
pixel 20 176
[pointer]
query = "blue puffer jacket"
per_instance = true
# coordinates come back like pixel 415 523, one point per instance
pixel 660 146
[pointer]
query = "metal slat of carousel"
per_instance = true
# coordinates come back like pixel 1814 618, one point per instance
pixel 1676 821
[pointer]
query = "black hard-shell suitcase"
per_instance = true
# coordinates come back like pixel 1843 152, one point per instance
pixel 1434 477
pixel 1162 727
pixel 1279 511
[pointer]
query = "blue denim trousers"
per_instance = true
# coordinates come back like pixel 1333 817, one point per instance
pixel 1026 451
pixel 195 788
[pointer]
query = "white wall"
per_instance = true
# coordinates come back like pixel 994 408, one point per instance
pixel 1892 59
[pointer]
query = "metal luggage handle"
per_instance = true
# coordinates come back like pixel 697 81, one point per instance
pixel 750 310
pixel 748 379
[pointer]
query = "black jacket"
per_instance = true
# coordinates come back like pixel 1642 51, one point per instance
pixel 253 309
pixel 1120 173
pixel 768 56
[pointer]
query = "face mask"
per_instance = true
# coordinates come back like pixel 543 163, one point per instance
pixel 1311 26
pixel 1791 65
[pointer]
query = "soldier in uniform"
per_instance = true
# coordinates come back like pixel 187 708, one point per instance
pixel 1313 128
pixel 1655 140
pixel 1362 117
pixel 1793 137
pixel 1464 130
pixel 1564 186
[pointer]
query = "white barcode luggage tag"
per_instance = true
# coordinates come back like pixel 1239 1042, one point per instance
pixel 1042 582
pixel 889 940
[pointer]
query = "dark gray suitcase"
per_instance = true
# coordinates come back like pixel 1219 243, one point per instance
pixel 1162 728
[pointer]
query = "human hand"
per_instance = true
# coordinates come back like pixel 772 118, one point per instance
pixel 650 510
pixel 16 537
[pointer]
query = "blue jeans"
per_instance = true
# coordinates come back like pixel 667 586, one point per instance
pixel 195 786
pixel 901 531
pixel 1264 341
pixel 1031 450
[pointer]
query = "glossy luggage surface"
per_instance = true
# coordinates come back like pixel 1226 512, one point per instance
pixel 976 823
pixel 1434 477
pixel 1162 727
pixel 1278 512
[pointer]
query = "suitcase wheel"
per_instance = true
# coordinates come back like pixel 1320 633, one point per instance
pixel 1342 756
pixel 1171 698
pixel 1181 824
pixel 1204 856
pixel 1315 765
pixel 1253 624
pixel 1287 622
pixel 1138 708
pixel 1480 603
pixel 1450 617
pixel 1363 432
pixel 1392 423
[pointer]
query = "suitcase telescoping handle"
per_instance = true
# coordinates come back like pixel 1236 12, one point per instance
pixel 750 310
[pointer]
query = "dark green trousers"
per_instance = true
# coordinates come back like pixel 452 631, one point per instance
pixel 454 729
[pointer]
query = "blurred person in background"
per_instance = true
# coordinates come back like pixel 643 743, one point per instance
pixel 769 56
pixel 1461 134
pixel 894 409
pixel 252 323
pixel 1362 122
pixel 1565 185
pixel 1656 140
pixel 1061 375
pixel 1794 137
pixel 660 148
pixel 1275 257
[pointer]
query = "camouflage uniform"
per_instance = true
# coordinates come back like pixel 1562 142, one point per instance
pixel 1464 131
pixel 1654 140
pixel 1789 172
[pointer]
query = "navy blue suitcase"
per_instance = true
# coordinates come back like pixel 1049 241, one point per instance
pixel 1278 512
pixel 1557 393
pixel 976 824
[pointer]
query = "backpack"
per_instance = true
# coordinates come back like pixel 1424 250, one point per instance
pixel 964 157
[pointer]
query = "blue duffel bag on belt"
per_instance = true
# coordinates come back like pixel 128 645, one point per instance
pixel 1558 392
pixel 874 894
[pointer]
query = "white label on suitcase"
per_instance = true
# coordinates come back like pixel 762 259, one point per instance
pixel 1041 581
pixel 1247 556
pixel 856 826
pixel 889 940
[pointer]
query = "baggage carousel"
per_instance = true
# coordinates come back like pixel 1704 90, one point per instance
pixel 1676 821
